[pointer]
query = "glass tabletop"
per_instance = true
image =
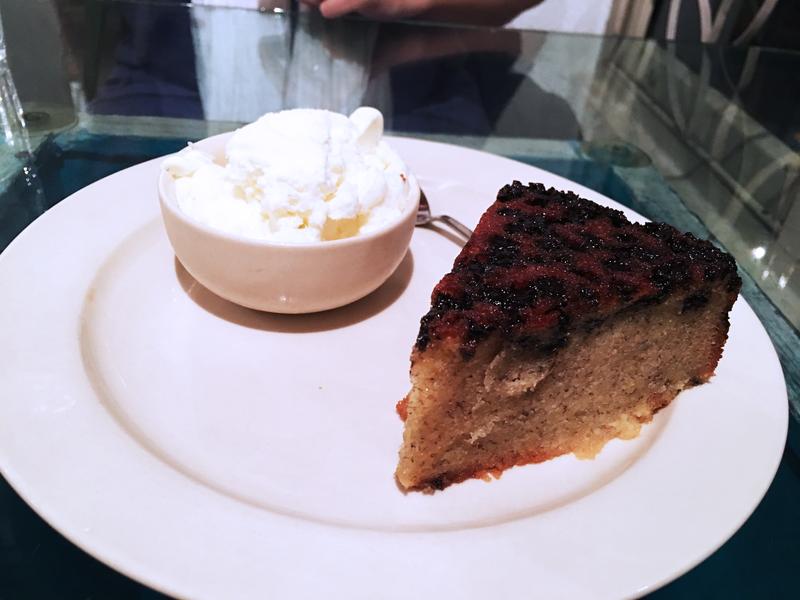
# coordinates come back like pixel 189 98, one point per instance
pixel 702 137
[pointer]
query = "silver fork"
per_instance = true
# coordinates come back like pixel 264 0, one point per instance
pixel 424 217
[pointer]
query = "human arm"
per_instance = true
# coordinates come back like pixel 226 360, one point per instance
pixel 476 12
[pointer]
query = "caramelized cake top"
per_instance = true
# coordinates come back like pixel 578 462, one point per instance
pixel 543 262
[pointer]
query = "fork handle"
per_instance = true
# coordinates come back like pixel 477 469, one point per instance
pixel 455 225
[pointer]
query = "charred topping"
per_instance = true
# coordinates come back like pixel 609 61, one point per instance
pixel 542 262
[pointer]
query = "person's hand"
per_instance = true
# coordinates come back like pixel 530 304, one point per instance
pixel 479 12
pixel 373 9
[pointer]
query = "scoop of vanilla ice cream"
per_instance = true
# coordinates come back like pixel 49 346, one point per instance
pixel 298 175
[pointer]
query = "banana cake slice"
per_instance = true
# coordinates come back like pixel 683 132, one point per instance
pixel 561 326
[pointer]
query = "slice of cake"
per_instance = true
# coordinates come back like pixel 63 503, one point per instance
pixel 561 326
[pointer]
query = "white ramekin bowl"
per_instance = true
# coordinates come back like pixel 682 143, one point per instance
pixel 284 277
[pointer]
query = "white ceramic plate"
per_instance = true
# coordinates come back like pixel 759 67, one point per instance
pixel 211 451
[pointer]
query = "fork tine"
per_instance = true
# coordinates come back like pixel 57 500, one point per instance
pixel 424 210
pixel 424 217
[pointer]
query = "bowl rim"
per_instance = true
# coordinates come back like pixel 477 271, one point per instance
pixel 169 202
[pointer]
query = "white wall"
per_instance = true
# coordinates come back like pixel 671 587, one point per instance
pixel 574 16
